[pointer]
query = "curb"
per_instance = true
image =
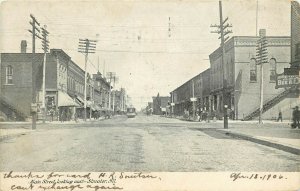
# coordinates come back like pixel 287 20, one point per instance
pixel 263 142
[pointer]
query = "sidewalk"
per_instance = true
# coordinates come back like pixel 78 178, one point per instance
pixel 276 135
pixel 271 133
pixel 13 129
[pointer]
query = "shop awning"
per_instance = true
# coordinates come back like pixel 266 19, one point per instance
pixel 65 100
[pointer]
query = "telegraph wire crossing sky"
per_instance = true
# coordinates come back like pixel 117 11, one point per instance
pixel 152 46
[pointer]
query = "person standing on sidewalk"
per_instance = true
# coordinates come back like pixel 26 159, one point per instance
pixel 51 114
pixel 296 118
pixel 279 116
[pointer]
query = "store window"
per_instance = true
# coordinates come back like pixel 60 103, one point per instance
pixel 253 70
pixel 9 75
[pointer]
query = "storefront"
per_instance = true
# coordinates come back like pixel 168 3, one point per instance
pixel 66 106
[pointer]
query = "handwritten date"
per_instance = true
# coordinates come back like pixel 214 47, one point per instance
pixel 236 176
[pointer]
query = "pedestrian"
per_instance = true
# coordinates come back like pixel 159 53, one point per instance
pixel 63 115
pixel 296 118
pixel 76 116
pixel 204 115
pixel 51 113
pixel 279 116
pixel 200 114
pixel 208 116
pixel 60 115
pixel 232 114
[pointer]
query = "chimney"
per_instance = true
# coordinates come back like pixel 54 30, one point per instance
pixel 23 46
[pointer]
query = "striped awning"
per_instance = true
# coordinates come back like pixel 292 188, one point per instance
pixel 65 100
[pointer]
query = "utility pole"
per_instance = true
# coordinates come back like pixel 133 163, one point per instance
pixel 45 44
pixel 194 100
pixel 261 59
pixel 223 31
pixel 172 103
pixel 86 46
pixel 34 23
pixel 91 98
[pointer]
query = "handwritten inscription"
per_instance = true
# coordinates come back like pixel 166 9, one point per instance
pixel 29 175
pixel 73 181
pixel 237 176
pixel 136 175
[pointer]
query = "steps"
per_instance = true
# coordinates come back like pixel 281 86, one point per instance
pixel 269 104
pixel 8 108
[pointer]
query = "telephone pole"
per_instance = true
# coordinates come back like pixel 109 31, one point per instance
pixel 86 47
pixel 261 59
pixel 223 31
pixel 194 100
pixel 45 44
pixel 34 23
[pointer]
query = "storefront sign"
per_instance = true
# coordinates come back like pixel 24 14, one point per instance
pixel 193 99
pixel 286 80
pixel 33 108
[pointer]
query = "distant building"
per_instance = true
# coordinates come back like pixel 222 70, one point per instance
pixel 101 92
pixel 149 108
pixel 182 95
pixel 119 99
pixel 160 104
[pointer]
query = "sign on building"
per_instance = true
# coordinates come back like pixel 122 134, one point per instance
pixel 286 80
pixel 193 99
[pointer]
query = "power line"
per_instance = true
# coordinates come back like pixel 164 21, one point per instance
pixel 86 46
pixel 45 44
pixel 144 52
pixel 34 23
pixel 222 29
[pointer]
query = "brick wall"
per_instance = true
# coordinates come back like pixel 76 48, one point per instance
pixel 19 93
pixel 249 99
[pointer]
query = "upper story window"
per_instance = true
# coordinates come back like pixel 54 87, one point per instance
pixel 9 75
pixel 272 70
pixel 253 70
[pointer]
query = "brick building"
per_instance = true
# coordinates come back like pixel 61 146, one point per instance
pixel 182 95
pixel 101 92
pixel 16 83
pixel 119 99
pixel 160 104
pixel 242 76
pixel 64 84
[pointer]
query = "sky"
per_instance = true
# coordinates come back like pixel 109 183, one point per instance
pixel 133 38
